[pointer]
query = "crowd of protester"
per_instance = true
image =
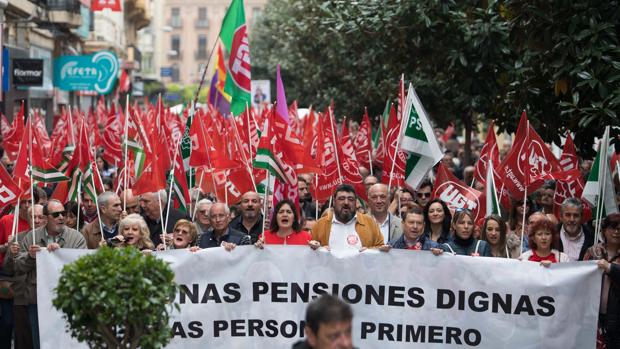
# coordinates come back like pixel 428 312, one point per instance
pixel 392 218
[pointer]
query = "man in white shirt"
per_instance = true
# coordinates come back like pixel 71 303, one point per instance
pixel 575 238
pixel 390 225
pixel 344 229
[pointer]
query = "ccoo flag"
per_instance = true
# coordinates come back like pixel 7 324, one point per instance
pixel 418 140
pixel 235 39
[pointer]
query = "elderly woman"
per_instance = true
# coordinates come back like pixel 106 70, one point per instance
pixel 464 242
pixel 285 229
pixel 185 235
pixel 608 259
pixel 495 232
pixel 542 238
pixel 133 232
pixel 437 220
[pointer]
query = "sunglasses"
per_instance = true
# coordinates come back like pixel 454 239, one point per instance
pixel 58 214
pixel 424 195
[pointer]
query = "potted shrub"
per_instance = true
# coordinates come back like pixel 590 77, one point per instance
pixel 118 298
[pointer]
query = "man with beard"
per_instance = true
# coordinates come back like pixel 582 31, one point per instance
pixel 575 238
pixel 345 229
pixel 251 219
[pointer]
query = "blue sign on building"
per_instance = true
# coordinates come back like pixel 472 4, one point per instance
pixel 6 70
pixel 165 72
pixel 97 72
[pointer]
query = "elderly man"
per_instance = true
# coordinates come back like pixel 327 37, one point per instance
pixel 23 333
pixel 153 208
pixel 53 235
pixel 110 214
pixel 202 216
pixel 345 229
pixel 251 219
pixel 221 234
pixel 575 237
pixel 389 224
pixel 23 220
pixel 133 202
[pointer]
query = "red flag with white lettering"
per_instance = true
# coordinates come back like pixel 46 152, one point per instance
pixel 363 142
pixel 456 194
pixel 100 5
pixel 9 191
pixel 489 151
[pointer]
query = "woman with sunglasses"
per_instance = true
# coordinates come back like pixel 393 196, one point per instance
pixel 185 235
pixel 543 238
pixel 464 243
pixel 285 228
pixel 437 221
pixel 503 244
pixel 608 256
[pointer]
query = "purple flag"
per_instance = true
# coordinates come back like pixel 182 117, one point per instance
pixel 282 107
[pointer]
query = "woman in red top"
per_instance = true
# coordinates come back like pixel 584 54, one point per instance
pixel 543 236
pixel 285 228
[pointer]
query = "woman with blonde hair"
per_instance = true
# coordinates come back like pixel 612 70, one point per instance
pixel 185 235
pixel 133 232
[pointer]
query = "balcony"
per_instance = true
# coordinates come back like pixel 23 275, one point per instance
pixel 175 55
pixel 137 12
pixel 200 54
pixel 64 13
pixel 201 24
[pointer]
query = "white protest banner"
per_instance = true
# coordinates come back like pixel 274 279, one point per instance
pixel 251 298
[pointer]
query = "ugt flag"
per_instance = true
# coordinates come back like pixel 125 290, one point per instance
pixel 235 39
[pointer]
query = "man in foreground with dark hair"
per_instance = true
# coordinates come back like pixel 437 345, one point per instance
pixel 328 325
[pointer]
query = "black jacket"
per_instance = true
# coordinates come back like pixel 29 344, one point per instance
pixel 588 240
pixel 254 232
pixel 208 239
pixel 155 226
pixel 612 321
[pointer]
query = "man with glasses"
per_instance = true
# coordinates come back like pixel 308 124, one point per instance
pixel 345 229
pixel 154 207
pixel 133 203
pixel 220 233
pixel 53 235
pixel 423 195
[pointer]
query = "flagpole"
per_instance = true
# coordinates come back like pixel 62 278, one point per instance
pixel 34 240
pixel 97 205
pixel 400 131
pixel 316 206
pixel 176 152
pixel 265 202
pixel 527 134
pixel 333 125
pixel 195 208
pixel 126 132
pixel 161 217
pixel 226 187
pixel 15 216
pixel 370 160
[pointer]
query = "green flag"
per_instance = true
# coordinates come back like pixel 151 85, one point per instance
pixel 492 202
pixel 235 39
pixel 599 188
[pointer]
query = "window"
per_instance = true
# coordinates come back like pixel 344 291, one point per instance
pixel 175 46
pixel 175 73
pixel 202 47
pixel 202 21
pixel 175 17
pixel 256 14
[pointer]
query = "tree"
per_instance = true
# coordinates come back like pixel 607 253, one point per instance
pixel 456 52
pixel 567 74
pixel 117 298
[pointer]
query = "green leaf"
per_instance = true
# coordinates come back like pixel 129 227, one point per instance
pixel 584 75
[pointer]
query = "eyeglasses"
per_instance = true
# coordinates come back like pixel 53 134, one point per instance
pixel 204 212
pixel 424 195
pixel 58 214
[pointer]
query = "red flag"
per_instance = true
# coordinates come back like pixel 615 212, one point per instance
pixel 456 194
pixel 292 147
pixel 111 140
pixel 447 134
pixel 5 127
pixel 363 142
pixel 528 159
pixel 13 140
pixel 489 151
pixel 283 191
pixel 568 159
pixel 100 5
pixel 9 190
pixel 391 140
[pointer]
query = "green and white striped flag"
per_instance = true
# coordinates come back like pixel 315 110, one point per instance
pixel 418 139
pixel 491 193
pixel 599 188
pixel 186 150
